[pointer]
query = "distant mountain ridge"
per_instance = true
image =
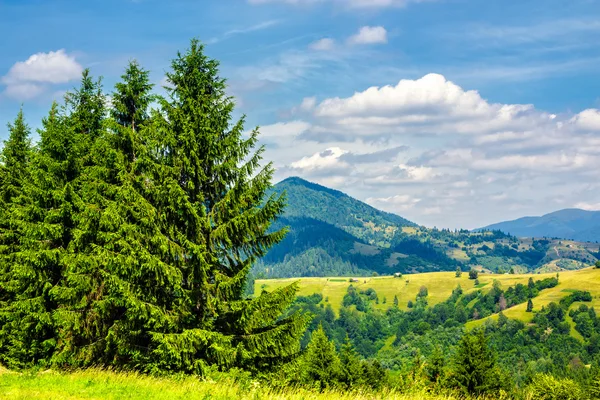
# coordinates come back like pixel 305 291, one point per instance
pixel 333 234
pixel 571 223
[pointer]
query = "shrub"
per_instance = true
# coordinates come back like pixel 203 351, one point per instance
pixel 473 274
pixel 547 387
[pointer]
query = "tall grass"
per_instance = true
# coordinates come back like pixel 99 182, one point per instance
pixel 100 384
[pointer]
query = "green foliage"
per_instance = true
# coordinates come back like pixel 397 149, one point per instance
pixel 475 370
pixel 458 273
pixel 321 364
pixel 473 274
pixel 529 305
pixel 547 387
pixel 133 233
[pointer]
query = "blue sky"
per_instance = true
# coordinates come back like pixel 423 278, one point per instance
pixel 452 113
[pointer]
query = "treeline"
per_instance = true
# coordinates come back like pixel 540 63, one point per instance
pixel 128 230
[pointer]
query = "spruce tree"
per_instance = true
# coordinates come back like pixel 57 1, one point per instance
pixel 117 280
pixel 321 363
pixel 351 366
pixel 529 305
pixel 33 265
pixel 14 170
pixel 14 159
pixel 211 191
pixel 435 365
pixel 475 370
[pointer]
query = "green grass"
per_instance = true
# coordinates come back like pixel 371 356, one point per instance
pixel 99 384
pixel 440 286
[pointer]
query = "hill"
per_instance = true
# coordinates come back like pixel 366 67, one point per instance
pixel 333 234
pixel 574 224
pixel 310 200
pixel 440 286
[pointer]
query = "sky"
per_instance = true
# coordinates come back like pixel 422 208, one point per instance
pixel 451 113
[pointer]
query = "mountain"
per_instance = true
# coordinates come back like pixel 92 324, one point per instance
pixel 574 224
pixel 333 234
pixel 310 200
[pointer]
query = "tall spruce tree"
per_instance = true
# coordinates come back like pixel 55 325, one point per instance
pixel 14 168
pixel 475 370
pixel 350 365
pixel 212 195
pixel 116 277
pixel 31 265
pixel 321 363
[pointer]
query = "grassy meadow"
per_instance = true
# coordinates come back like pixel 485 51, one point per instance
pixel 100 384
pixel 440 286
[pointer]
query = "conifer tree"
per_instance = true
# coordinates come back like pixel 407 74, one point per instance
pixel 475 370
pixel 529 305
pixel 211 191
pixel 14 165
pixel 321 363
pixel 351 366
pixel 435 366
pixel 32 267
pixel 14 159
pixel 117 280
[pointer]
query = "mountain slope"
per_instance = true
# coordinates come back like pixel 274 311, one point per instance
pixel 333 234
pixel 310 200
pixel 572 224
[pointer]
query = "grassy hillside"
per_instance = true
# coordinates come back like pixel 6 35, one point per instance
pixel 440 286
pixel 96 384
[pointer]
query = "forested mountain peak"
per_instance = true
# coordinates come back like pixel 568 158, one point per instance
pixel 310 200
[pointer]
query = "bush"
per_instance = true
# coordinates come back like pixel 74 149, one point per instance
pixel 547 387
pixel 473 274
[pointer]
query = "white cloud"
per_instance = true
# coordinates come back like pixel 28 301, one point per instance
pixel 418 173
pixel 430 104
pixel 308 103
pixel 397 203
pixel 27 79
pixel 588 120
pixel 588 206
pixel 327 159
pixel 284 130
pixel 325 44
pixel 369 35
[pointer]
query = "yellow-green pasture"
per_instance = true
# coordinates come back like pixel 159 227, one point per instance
pixel 440 286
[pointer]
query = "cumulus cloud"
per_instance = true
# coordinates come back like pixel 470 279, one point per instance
pixel 369 35
pixel 429 104
pixel 456 152
pixel 29 78
pixel 588 120
pixel 326 159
